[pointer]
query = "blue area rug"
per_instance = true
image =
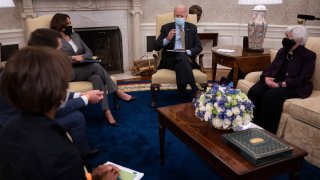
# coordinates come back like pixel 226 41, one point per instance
pixel 135 143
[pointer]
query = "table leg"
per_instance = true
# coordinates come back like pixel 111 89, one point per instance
pixel 214 69
pixel 294 175
pixel 162 131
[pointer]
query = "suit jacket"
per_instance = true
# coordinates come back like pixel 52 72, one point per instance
pixel 192 42
pixel 299 71
pixel 73 104
pixel 82 47
pixel 7 112
pixel 32 146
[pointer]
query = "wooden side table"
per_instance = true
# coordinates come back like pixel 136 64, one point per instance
pixel 239 59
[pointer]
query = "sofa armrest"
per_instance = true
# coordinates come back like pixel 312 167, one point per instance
pixel 245 84
pixel 253 77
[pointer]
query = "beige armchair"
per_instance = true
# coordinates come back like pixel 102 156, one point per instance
pixel 44 22
pixel 300 118
pixel 167 76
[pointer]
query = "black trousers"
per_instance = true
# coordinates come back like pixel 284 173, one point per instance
pixel 182 65
pixel 268 104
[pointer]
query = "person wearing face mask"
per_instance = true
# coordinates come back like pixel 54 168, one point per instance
pixel 73 45
pixel 289 76
pixel 68 115
pixel 32 144
pixel 180 35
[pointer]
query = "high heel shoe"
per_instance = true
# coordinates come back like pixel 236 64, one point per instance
pixel 114 124
pixel 129 100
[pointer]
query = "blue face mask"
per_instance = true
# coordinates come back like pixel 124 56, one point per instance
pixel 180 21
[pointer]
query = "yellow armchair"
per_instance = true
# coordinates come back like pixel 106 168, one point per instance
pixel 167 76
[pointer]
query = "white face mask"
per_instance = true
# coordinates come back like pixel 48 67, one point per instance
pixel 64 102
pixel 180 21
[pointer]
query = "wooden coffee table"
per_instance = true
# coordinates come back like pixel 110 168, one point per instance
pixel 206 141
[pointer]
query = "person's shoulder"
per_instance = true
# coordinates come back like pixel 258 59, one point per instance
pixel 309 53
pixel 75 35
pixel 191 25
pixel 169 24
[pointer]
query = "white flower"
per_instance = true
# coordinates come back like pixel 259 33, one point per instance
pixel 217 123
pixel 246 119
pixel 226 123
pixel 207 115
pixel 235 110
pixel 229 98
pixel 229 113
pixel 202 107
pixel 209 107
pixel 242 108
pixel 215 105
pixel 237 122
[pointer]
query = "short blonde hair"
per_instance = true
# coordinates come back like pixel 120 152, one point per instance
pixel 299 33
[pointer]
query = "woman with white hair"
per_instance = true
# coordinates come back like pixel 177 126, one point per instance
pixel 289 76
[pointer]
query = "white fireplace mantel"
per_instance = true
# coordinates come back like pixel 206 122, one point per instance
pixel 97 13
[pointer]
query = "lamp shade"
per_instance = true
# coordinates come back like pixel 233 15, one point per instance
pixel 253 2
pixel 6 3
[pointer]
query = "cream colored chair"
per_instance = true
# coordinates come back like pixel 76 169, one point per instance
pixel 167 76
pixel 300 119
pixel 44 22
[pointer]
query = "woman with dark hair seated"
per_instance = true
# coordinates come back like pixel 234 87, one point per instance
pixel 32 144
pixel 73 45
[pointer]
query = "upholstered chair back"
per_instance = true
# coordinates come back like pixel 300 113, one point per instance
pixel 38 22
pixel 313 44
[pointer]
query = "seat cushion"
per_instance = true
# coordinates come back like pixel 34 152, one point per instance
pixel 166 76
pixel 306 110
pixel 80 86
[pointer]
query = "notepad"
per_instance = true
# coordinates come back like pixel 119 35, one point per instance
pixel 126 173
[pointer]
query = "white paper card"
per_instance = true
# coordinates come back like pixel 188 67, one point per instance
pixel 127 172
pixel 226 50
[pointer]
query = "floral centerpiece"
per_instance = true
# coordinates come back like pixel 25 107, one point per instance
pixel 224 107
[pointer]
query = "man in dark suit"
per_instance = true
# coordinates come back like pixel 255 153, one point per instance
pixel 180 35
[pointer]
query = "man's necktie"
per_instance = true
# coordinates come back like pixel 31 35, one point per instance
pixel 182 36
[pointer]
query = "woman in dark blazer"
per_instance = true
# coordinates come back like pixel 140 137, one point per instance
pixel 32 144
pixel 289 76
pixel 73 45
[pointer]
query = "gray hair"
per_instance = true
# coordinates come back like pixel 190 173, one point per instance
pixel 299 33
pixel 181 6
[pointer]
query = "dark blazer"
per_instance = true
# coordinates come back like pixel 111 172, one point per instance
pixel 82 47
pixel 32 146
pixel 192 42
pixel 299 71
pixel 73 104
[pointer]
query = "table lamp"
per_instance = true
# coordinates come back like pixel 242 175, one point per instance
pixel 257 26
pixel 5 4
